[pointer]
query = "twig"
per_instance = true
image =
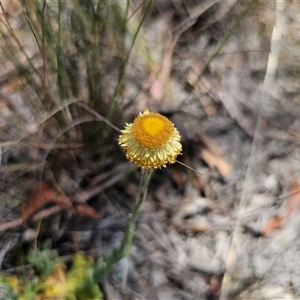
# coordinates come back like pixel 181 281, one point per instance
pixel 87 108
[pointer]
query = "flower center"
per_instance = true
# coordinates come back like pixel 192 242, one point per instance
pixel 153 126
pixel 152 130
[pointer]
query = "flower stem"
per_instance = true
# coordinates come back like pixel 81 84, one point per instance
pixel 142 193
pixel 106 264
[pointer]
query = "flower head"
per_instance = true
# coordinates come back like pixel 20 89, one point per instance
pixel 151 141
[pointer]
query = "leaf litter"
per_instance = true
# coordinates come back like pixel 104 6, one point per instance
pixel 184 246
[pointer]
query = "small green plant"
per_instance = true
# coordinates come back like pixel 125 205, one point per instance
pixel 52 279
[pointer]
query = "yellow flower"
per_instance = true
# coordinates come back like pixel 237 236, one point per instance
pixel 151 141
pixel 56 285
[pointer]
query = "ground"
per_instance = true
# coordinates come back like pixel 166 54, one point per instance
pixel 226 74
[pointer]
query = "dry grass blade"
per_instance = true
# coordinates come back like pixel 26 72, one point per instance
pixel 95 188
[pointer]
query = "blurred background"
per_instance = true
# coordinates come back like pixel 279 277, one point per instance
pixel 225 72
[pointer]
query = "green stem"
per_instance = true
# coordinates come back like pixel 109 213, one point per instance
pixel 106 264
pixel 142 193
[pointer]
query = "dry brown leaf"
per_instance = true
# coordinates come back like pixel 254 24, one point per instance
pixel 292 205
pixel 294 199
pixel 271 225
pixel 43 194
pixel 214 157
pixel 198 227
pixel 86 210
